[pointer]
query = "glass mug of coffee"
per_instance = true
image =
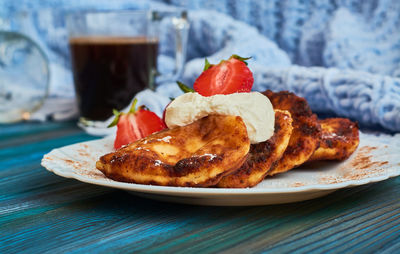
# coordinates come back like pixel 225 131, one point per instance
pixel 114 56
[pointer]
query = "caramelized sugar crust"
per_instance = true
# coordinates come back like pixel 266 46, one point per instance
pixel 198 154
pixel 305 138
pixel 262 155
pixel 339 139
pixel 215 150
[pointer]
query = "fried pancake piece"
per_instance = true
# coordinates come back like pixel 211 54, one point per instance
pixel 339 139
pixel 306 132
pixel 198 154
pixel 284 100
pixel 261 155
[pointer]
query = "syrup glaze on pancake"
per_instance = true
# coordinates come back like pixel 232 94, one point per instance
pixel 261 155
pixel 339 139
pixel 215 150
pixel 306 132
pixel 198 154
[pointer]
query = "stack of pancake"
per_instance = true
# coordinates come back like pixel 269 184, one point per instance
pixel 215 151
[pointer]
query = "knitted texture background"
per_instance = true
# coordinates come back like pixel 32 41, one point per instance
pixel 342 33
pixel 356 45
pixel 367 98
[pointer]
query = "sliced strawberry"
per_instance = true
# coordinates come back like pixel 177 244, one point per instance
pixel 135 125
pixel 127 130
pixel 148 122
pixel 229 76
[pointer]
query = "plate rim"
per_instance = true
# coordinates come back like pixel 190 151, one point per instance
pixel 49 166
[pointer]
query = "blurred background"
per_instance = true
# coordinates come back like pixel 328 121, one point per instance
pixel 343 55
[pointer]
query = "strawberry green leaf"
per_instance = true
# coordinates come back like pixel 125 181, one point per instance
pixel 116 112
pixel 243 59
pixel 133 107
pixel 207 65
pixel 116 119
pixel 184 87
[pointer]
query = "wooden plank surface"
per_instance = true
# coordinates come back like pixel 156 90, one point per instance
pixel 44 213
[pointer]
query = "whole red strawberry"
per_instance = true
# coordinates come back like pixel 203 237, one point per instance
pixel 135 124
pixel 229 76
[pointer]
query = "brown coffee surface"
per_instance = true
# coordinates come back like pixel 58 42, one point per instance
pixel 110 71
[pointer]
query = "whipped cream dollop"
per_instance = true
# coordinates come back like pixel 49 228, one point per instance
pixel 254 108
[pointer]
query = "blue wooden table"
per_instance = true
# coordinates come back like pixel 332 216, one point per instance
pixel 44 213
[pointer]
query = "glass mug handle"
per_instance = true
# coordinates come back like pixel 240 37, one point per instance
pixel 180 26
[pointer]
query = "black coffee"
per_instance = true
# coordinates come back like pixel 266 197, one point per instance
pixel 109 71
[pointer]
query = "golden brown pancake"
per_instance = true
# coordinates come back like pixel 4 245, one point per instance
pixel 306 130
pixel 261 155
pixel 198 154
pixel 339 139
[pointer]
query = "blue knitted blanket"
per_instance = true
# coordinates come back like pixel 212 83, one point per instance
pixel 356 45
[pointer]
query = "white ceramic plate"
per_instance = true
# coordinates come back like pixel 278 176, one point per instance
pixel 376 159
